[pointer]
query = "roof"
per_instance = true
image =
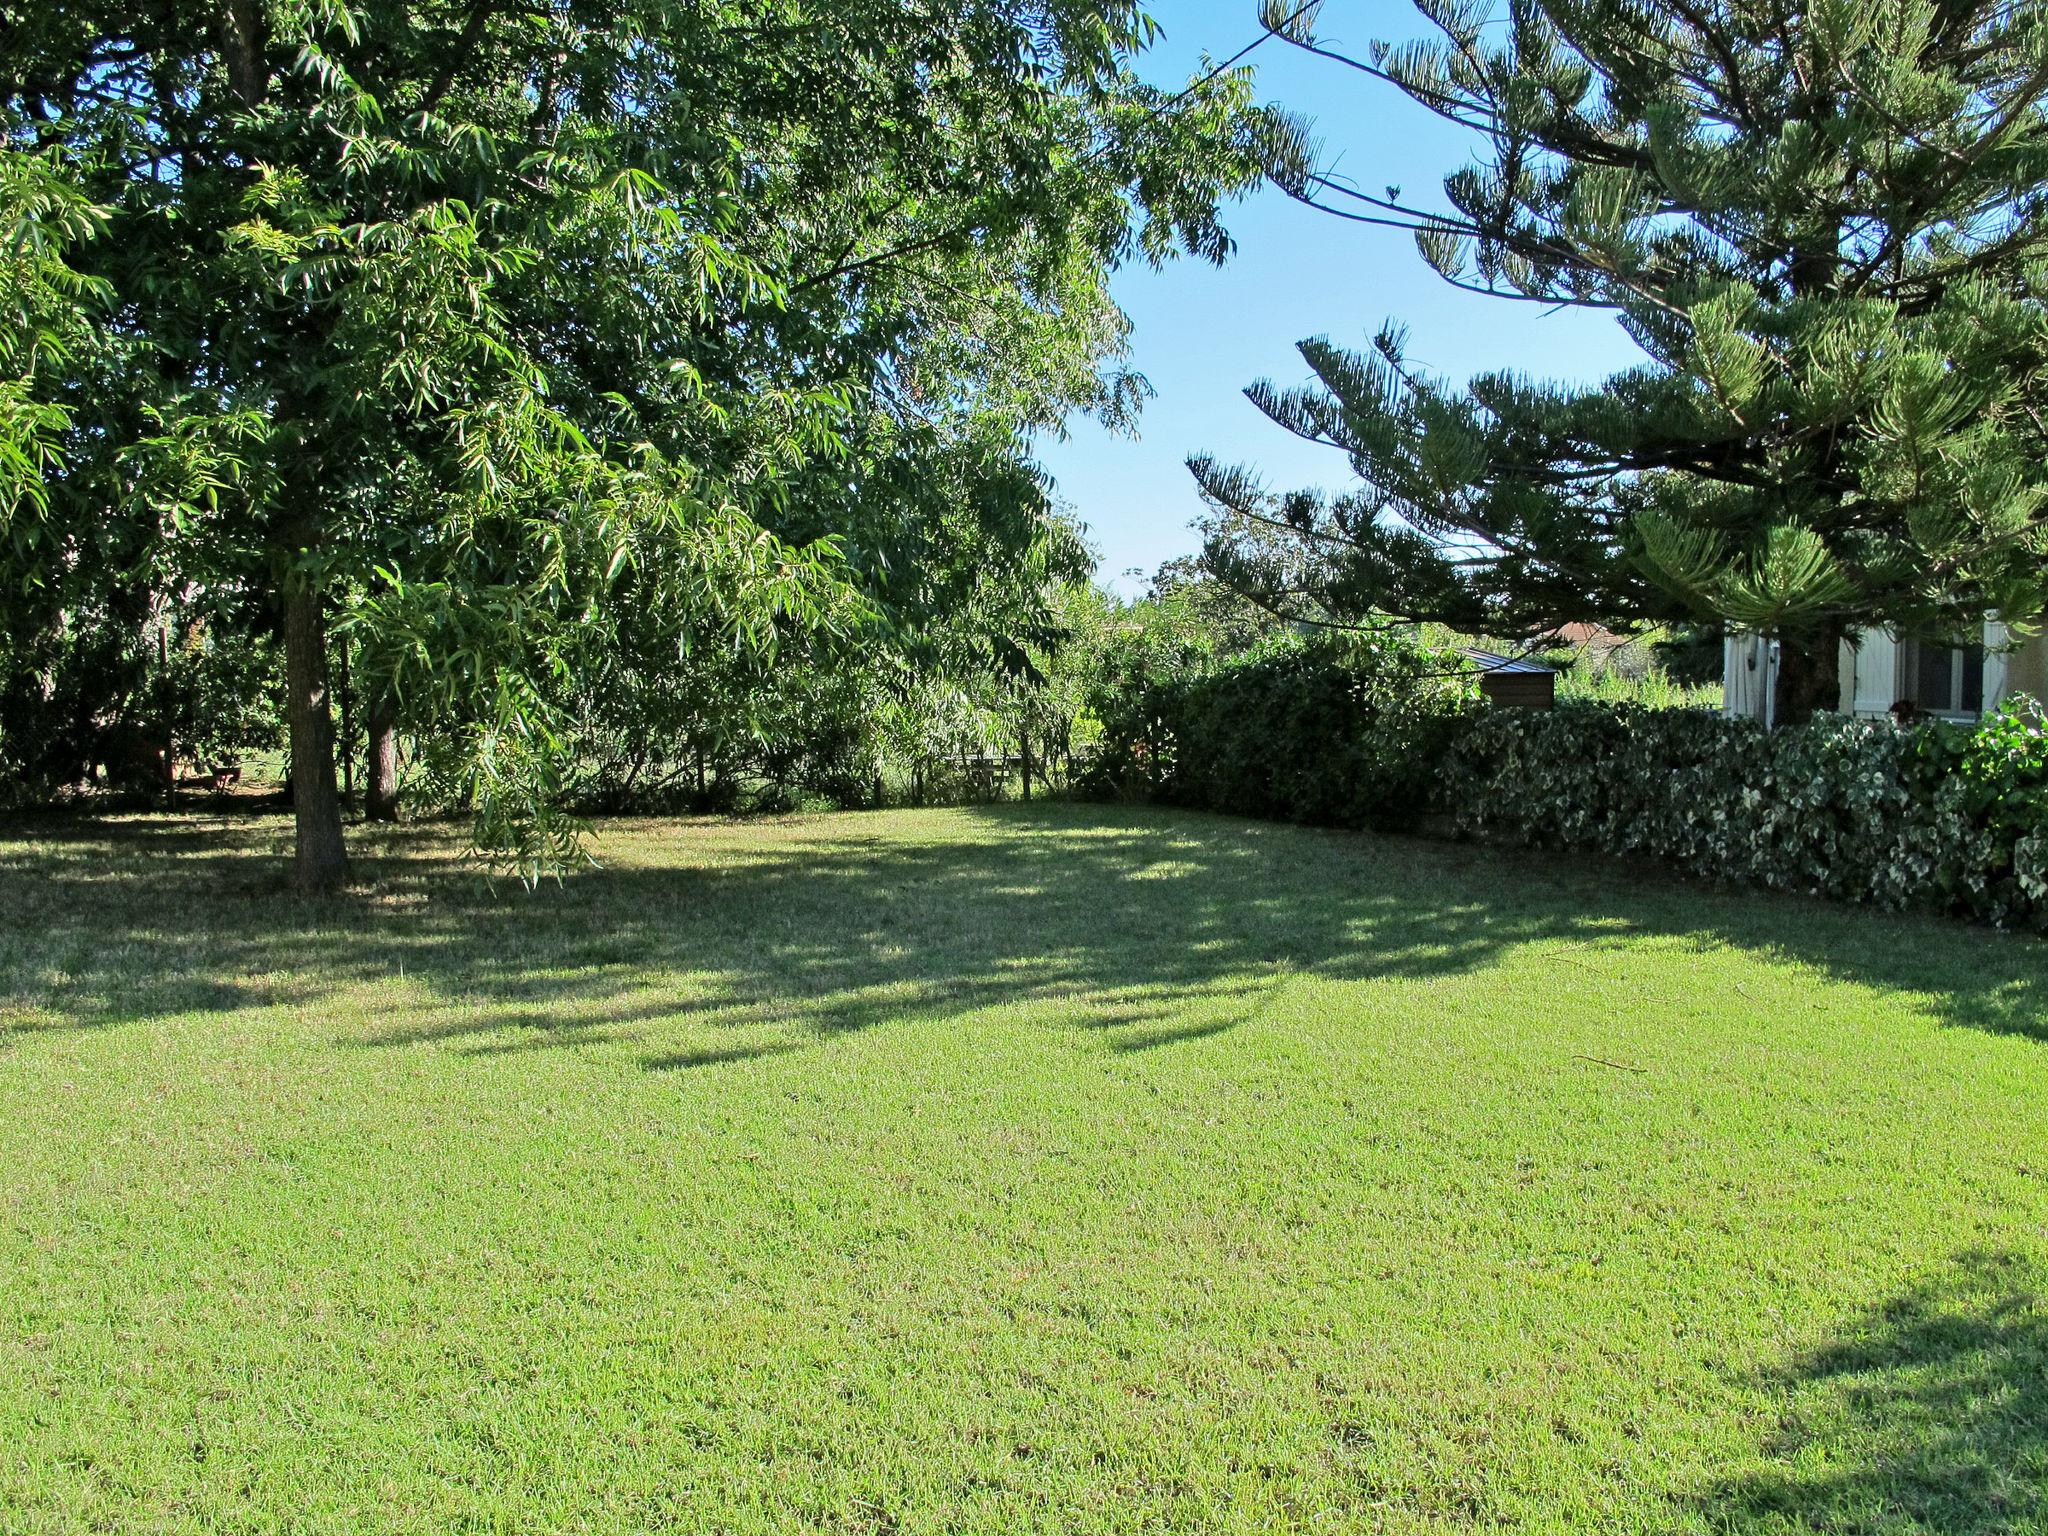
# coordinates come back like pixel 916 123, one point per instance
pixel 1489 662
pixel 1592 637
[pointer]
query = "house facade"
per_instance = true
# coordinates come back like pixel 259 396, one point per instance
pixel 1881 672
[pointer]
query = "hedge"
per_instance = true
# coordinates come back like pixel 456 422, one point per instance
pixel 1347 732
pixel 1934 815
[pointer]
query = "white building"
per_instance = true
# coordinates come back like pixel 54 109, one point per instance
pixel 1880 672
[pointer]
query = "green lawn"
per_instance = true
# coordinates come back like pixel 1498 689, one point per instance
pixel 1040 1169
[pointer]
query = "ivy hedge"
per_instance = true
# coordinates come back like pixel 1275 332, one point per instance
pixel 1934 815
pixel 1379 733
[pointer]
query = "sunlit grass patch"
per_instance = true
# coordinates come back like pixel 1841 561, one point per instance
pixel 1057 1169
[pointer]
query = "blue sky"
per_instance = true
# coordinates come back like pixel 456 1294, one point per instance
pixel 1201 333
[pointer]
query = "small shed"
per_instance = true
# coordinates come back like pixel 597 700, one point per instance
pixel 1514 681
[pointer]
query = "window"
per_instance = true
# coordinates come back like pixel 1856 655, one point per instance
pixel 1943 679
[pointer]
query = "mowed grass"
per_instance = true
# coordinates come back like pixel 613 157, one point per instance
pixel 1034 1169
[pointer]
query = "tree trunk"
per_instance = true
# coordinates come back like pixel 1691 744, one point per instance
pixel 170 743
pixel 1809 676
pixel 1024 758
pixel 320 862
pixel 380 793
pixel 347 755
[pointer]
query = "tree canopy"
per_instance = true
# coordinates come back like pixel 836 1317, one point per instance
pixel 1825 227
pixel 495 335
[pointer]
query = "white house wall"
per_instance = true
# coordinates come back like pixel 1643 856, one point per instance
pixel 1869 671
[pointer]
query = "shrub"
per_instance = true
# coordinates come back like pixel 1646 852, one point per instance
pixel 1138 681
pixel 1376 731
pixel 1935 815
pixel 1343 731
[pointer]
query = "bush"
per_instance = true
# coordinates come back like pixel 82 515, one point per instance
pixel 1377 732
pixel 1340 731
pixel 1936 815
pixel 92 689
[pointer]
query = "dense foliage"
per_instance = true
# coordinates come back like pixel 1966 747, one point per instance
pixel 1379 729
pixel 1343 730
pixel 844 724
pixel 1937 815
pixel 1826 227
pixel 479 343
pixel 121 683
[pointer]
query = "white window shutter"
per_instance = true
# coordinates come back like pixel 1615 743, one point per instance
pixel 1995 641
pixel 1877 673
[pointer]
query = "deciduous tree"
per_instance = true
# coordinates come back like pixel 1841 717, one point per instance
pixel 449 321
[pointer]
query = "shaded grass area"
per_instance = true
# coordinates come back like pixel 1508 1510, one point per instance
pixel 1026 1169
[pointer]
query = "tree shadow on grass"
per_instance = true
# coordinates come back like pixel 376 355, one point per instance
pixel 1120 917
pixel 1929 1415
pixel 717 1056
